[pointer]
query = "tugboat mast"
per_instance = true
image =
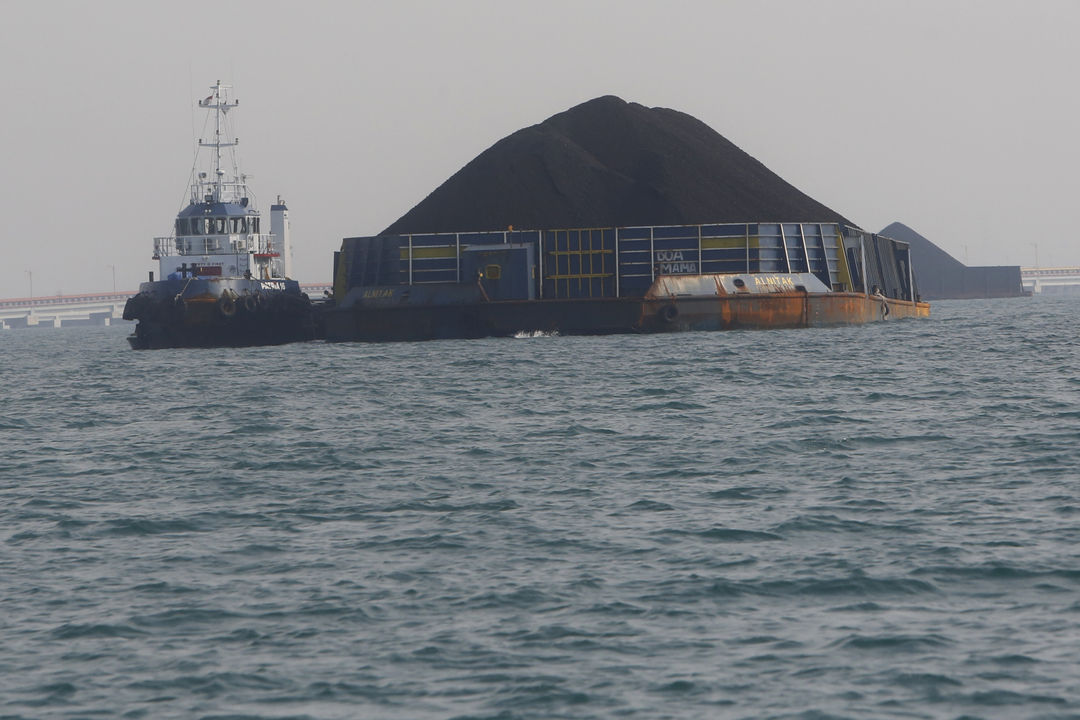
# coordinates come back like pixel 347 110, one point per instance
pixel 219 102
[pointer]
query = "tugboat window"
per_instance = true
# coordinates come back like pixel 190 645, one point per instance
pixel 220 226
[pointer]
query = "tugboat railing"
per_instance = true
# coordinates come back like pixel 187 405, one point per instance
pixel 215 245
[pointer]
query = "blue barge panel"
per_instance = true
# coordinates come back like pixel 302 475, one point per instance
pixel 623 262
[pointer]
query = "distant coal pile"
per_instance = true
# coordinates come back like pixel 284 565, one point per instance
pixel 608 163
pixel 940 276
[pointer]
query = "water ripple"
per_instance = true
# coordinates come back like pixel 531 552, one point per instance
pixel 853 522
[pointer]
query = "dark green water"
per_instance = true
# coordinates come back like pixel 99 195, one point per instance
pixel 868 522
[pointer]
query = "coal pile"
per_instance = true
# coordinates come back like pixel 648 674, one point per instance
pixel 607 163
pixel 940 276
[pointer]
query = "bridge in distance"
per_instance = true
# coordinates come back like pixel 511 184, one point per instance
pixel 1048 280
pixel 74 310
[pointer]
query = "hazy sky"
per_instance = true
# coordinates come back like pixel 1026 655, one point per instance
pixel 958 118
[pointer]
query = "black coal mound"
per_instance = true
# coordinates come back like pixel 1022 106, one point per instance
pixel 940 276
pixel 607 163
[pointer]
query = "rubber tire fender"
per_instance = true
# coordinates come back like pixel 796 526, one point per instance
pixel 226 306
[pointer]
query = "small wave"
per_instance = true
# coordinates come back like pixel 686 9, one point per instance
pixel 997 572
pixel 81 424
pixel 68 504
pixel 544 694
pixel 549 633
pixel 257 428
pixel 143 526
pixel 832 523
pixel 60 688
pixel 71 631
pixel 59 693
pixel 723 534
pixel 163 588
pixel 1008 697
pixel 859 607
pixel 530 334
pixel 479 452
pixel 212 684
pixel 181 617
pixel 894 643
pixel 323 690
pixel 445 507
pixel 571 430
pixel 747 492
pixel 435 541
pixel 861 585
pixel 650 506
pixel 522 598
pixel 670 405
pixel 616 608
pixel 925 680
pixel 736 535
pixel 890 440
pixel 1013 659
pixel 681 687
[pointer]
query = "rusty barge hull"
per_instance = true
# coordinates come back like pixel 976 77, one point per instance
pixel 613 316
pixel 794 310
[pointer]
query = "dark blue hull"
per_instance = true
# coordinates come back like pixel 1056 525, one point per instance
pixel 219 312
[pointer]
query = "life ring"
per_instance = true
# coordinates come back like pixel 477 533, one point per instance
pixel 669 313
pixel 226 306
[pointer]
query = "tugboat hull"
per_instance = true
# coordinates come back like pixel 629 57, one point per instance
pixel 219 313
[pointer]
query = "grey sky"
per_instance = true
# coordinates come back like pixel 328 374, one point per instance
pixel 958 118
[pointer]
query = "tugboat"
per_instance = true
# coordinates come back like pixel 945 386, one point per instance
pixel 224 282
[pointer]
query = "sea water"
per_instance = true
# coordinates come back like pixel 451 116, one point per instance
pixel 862 522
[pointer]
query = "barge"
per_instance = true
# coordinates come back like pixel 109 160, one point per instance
pixel 590 281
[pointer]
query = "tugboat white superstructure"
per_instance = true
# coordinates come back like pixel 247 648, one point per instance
pixel 223 281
